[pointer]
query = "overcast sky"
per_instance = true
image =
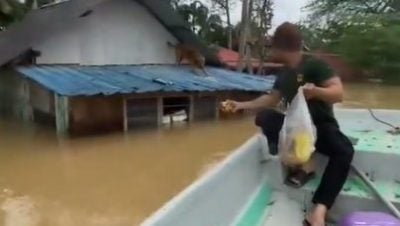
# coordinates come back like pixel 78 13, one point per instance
pixel 284 10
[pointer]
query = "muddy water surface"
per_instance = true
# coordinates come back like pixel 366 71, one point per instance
pixel 120 179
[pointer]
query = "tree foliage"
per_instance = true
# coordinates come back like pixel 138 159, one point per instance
pixel 207 25
pixel 373 46
pixel 364 32
pixel 203 21
pixel 226 6
pixel 13 10
pixel 330 18
pixel 261 18
pixel 207 22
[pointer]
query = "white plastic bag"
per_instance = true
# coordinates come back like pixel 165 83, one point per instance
pixel 298 134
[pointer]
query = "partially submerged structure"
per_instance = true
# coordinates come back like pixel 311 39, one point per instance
pixel 100 65
pixel 230 60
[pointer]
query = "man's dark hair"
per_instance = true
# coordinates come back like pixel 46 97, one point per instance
pixel 287 37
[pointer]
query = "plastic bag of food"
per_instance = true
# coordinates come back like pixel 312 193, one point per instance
pixel 298 134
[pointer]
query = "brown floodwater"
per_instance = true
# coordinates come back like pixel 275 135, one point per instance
pixel 372 96
pixel 118 180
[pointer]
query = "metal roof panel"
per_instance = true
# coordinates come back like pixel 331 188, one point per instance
pixel 122 79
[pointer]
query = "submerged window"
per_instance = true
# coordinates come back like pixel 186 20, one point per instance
pixel 176 109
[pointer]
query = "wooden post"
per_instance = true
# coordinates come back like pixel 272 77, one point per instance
pixel 191 109
pixel 125 115
pixel 160 111
pixel 249 63
pixel 217 101
pixel 27 111
pixel 62 114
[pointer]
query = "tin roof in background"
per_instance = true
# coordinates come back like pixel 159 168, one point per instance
pixel 109 80
pixel 230 59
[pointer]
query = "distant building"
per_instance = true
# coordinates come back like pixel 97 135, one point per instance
pixel 99 65
pixel 230 60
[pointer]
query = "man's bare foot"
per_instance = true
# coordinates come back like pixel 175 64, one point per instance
pixel 317 216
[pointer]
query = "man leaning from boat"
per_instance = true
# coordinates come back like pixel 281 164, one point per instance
pixel 322 89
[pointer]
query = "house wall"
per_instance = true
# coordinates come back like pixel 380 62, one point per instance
pixel 117 32
pixel 24 99
pixel 142 112
pixel 42 103
pixel 12 96
pixel 41 99
pixel 95 114
pixel 205 107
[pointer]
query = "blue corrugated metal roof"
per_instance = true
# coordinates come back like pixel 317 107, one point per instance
pixel 109 80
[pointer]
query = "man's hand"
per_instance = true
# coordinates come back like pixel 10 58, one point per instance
pixel 310 91
pixel 331 91
pixel 232 106
pixel 262 102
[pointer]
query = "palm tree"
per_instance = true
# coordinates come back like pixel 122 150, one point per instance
pixel 201 21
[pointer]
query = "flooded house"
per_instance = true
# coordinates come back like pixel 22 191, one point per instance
pixel 104 65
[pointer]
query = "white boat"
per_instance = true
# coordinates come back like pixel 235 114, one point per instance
pixel 247 188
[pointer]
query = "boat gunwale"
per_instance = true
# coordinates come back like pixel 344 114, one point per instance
pixel 232 157
pixel 203 179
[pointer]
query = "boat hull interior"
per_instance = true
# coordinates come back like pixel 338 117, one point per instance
pixel 247 189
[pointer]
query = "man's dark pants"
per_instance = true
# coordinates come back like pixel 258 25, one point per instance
pixel 330 142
